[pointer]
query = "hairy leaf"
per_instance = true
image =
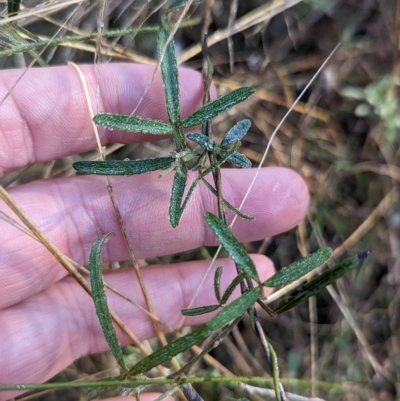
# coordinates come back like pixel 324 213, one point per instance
pixel 234 309
pixel 231 287
pixel 169 70
pixel 123 167
pixel 236 133
pixel 132 124
pixel 213 109
pixel 100 300
pixel 166 353
pixel 200 310
pixel 240 160
pixel 317 284
pixel 202 140
pixel 232 245
pixel 300 268
pixel 178 188
pixel 217 283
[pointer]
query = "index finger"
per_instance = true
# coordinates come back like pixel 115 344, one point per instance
pixel 46 116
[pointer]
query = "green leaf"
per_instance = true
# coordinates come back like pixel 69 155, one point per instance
pixel 14 34
pixel 169 70
pixel 213 109
pixel 236 133
pixel 100 300
pixel 217 283
pixel 232 245
pixel 178 188
pixel 200 310
pixel 300 268
pixel 166 353
pixel 317 284
pixel 240 160
pixel 132 124
pixel 231 287
pixel 202 140
pixel 234 309
pixel 123 167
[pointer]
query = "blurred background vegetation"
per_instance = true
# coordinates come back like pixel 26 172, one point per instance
pixel 343 138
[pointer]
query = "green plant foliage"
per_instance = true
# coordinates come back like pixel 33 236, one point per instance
pixel 100 300
pixel 123 167
pixel 203 140
pixel 200 310
pixel 169 70
pixel 178 188
pixel 132 124
pixel 317 284
pixel 166 353
pixel 238 159
pixel 217 283
pixel 232 245
pixel 231 287
pixel 213 109
pixel 230 312
pixel 236 133
pixel 299 268
pixel 234 309
pixel 209 144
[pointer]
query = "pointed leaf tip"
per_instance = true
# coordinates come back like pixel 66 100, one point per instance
pixel 236 133
pixel 132 124
pixel 300 268
pixel 100 300
pixel 232 245
pixel 213 109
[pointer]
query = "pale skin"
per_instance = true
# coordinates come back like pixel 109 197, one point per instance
pixel 46 320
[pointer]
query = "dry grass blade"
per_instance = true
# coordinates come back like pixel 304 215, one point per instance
pixel 260 14
pixel 41 10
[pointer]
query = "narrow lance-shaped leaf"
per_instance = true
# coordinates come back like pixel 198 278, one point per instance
pixel 231 287
pixel 317 284
pixel 232 245
pixel 240 160
pixel 300 268
pixel 166 353
pixel 213 109
pixel 234 309
pixel 132 124
pixel 100 300
pixel 217 283
pixel 201 310
pixel 169 71
pixel 236 133
pixel 203 140
pixel 178 189
pixel 123 167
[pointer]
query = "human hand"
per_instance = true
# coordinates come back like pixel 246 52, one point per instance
pixel 46 319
